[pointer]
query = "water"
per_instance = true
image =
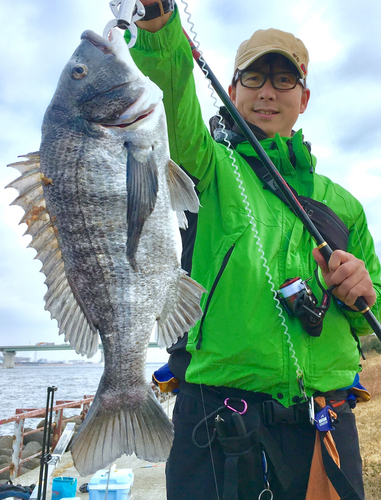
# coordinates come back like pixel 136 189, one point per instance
pixel 26 387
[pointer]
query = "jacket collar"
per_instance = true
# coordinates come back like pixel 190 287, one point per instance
pixel 223 127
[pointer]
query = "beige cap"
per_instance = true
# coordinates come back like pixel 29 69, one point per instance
pixel 272 41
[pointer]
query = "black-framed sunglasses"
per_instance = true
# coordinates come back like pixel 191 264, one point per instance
pixel 280 81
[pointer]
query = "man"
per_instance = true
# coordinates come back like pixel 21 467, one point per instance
pixel 247 355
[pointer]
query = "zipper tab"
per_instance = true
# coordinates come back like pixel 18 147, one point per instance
pixel 302 388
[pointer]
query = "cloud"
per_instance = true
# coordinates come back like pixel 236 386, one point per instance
pixel 360 63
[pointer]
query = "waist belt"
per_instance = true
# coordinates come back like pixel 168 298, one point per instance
pixel 271 412
pixel 263 412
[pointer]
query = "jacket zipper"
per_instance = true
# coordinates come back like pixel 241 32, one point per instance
pixel 215 283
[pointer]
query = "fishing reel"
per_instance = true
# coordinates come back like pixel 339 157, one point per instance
pixel 299 301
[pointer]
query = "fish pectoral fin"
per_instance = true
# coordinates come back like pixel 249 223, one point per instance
pixel 181 189
pixel 182 220
pixel 142 187
pixel 183 315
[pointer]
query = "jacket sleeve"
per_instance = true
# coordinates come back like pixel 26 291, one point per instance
pixel 361 245
pixel 166 58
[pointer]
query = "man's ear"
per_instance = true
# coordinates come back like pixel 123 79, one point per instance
pixel 232 92
pixel 304 100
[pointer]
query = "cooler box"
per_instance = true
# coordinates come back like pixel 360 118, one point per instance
pixel 119 485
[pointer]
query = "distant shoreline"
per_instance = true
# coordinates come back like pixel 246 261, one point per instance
pixel 73 363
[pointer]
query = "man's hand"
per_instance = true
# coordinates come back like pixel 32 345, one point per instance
pixel 350 276
pixel 155 24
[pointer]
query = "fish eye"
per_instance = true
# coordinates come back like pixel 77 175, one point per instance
pixel 79 71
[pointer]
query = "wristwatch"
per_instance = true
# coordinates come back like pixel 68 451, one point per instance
pixel 158 9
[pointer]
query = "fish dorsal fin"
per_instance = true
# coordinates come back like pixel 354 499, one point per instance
pixel 59 299
pixel 142 187
pixel 181 189
pixel 178 317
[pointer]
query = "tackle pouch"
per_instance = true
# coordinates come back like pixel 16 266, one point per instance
pixel 329 225
pixel 165 380
pixel 243 464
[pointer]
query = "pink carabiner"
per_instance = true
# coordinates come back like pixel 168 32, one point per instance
pixel 233 409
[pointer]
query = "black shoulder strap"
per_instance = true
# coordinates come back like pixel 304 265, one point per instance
pixel 330 226
pixel 337 477
pixel 266 179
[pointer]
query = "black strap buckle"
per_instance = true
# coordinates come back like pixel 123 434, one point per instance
pixel 274 413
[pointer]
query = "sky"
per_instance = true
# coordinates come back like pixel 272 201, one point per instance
pixel 342 120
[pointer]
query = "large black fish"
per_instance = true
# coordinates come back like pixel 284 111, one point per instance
pixel 102 201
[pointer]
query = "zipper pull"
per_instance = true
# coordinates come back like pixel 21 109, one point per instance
pixel 302 388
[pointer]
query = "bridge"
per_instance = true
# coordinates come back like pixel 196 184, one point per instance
pixel 9 351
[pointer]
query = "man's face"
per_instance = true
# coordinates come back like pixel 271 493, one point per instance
pixel 271 110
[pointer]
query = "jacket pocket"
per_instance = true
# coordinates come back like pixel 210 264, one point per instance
pixel 212 290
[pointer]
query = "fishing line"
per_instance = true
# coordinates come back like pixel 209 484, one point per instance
pixel 246 203
pixel 110 470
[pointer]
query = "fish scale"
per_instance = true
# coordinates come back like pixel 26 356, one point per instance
pixel 102 201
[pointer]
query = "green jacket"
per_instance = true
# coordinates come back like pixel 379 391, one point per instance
pixel 245 235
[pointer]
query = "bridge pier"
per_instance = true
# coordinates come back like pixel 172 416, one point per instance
pixel 9 359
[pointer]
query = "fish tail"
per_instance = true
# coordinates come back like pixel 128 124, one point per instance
pixel 106 435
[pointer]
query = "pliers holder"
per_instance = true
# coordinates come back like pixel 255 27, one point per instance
pixel 126 13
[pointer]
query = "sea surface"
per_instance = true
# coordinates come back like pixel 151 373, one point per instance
pixel 26 387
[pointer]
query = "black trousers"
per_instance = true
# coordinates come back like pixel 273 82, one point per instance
pixel 195 473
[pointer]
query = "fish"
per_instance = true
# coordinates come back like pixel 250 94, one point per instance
pixel 103 203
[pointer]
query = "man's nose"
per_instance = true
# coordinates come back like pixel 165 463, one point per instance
pixel 267 91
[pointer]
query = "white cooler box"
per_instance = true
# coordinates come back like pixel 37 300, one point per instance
pixel 119 485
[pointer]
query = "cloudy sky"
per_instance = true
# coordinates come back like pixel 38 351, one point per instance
pixel 342 121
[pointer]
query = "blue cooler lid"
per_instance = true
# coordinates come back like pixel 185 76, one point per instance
pixel 119 479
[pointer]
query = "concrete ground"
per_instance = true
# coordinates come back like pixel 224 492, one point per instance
pixel 149 479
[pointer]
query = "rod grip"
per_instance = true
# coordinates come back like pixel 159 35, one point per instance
pixel 360 303
pixel 196 54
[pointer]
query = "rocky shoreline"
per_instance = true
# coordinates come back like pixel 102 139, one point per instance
pixel 32 444
pixel 29 448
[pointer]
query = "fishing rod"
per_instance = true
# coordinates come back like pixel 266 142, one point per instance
pixel 281 184
pixel 46 442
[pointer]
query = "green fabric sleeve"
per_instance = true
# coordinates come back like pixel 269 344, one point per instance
pixel 361 245
pixel 166 57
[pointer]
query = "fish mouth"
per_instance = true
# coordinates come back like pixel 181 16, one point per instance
pixel 140 109
pixel 150 95
pixel 98 41
pixel 124 124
